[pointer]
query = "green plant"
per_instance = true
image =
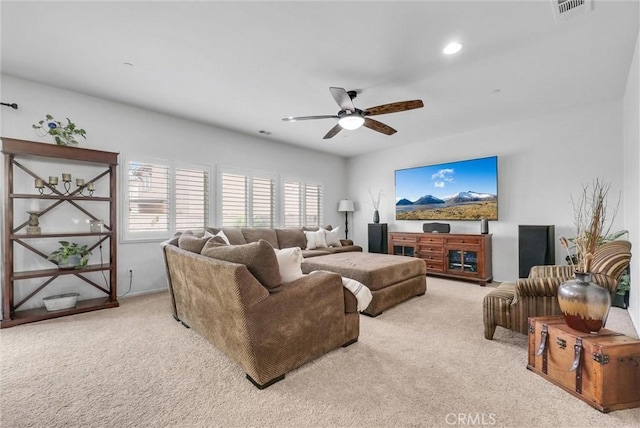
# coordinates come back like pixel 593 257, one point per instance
pixel 63 134
pixel 68 249
pixel 623 284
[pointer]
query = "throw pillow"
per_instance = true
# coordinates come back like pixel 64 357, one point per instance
pixel 289 263
pixel 215 241
pixel 193 242
pixel 291 238
pixel 173 240
pixel 333 237
pixel 315 239
pixel 254 234
pixel 258 257
pixel 222 236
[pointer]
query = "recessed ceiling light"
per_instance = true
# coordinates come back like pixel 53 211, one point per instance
pixel 452 48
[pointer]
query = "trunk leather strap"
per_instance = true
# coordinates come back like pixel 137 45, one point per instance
pixel 542 349
pixel 577 363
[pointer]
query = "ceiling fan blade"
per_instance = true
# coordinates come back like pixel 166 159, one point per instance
pixel 343 99
pixel 332 132
pixel 295 119
pixel 394 107
pixel 378 126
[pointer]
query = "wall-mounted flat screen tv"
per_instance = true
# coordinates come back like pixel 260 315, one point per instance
pixel 463 190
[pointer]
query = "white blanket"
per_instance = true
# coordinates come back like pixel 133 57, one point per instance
pixel 359 290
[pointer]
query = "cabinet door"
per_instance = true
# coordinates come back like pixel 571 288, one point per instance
pixel 403 250
pixel 462 261
pixel 402 244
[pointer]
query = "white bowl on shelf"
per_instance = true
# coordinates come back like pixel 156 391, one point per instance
pixel 61 301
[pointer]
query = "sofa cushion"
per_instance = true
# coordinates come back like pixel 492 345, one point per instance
pixel 332 237
pixel 315 239
pixel 288 238
pixel 235 236
pixel 315 253
pixel 213 242
pixel 256 234
pixel 173 240
pixel 343 249
pixel 289 261
pixel 222 236
pixel 193 241
pixel 258 257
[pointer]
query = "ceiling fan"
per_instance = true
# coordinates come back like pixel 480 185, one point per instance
pixel 350 118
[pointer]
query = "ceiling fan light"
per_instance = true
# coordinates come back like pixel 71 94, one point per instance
pixel 351 122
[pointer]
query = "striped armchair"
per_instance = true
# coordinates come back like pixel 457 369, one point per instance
pixel 512 303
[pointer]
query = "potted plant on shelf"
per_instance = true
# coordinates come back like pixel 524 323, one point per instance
pixel 70 255
pixel 63 134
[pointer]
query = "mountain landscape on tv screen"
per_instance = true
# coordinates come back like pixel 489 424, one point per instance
pixel 467 205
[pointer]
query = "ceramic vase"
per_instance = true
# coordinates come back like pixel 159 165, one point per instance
pixel 584 304
pixel 376 216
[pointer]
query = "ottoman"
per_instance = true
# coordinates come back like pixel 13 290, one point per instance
pixel 391 279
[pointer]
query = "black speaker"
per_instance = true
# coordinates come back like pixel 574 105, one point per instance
pixel 536 247
pixel 378 238
pixel 484 226
pixel 436 227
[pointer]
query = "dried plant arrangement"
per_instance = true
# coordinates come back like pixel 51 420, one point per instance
pixel 593 220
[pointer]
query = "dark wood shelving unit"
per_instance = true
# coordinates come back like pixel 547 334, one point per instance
pixel 13 151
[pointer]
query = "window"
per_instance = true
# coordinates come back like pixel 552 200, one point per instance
pixel 192 198
pixel 302 204
pixel 247 199
pixel 161 197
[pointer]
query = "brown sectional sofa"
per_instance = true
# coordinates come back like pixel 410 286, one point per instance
pixel 391 279
pixel 233 295
pixel 282 238
pixel 266 326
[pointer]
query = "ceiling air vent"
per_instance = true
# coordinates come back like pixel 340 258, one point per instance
pixel 567 10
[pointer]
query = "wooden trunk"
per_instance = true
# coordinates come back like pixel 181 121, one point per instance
pixel 603 370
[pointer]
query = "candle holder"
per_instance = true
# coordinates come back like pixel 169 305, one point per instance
pixel 40 185
pixel 33 227
pixel 66 182
pixel 89 187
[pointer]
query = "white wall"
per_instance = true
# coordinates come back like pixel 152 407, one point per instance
pixel 542 161
pixel 632 179
pixel 132 131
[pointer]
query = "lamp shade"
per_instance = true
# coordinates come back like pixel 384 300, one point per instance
pixel 346 205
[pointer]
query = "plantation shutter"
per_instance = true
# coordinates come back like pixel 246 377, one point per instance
pixel 148 197
pixel 192 198
pixel 263 202
pixel 313 205
pixel 292 204
pixel 234 200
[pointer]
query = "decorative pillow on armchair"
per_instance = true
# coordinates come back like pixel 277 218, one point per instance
pixel 332 237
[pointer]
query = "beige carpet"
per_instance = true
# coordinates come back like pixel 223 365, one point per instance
pixel 423 363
